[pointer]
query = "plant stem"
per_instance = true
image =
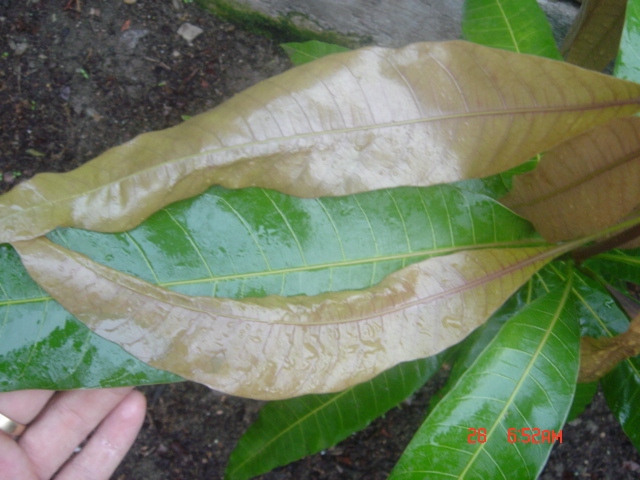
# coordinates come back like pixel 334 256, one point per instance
pixel 584 253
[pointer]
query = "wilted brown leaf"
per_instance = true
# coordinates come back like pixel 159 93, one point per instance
pixel 278 347
pixel 599 356
pixel 594 37
pixel 373 118
pixel 584 185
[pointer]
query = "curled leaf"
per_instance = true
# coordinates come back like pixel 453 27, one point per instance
pixel 599 356
pixel 277 347
pixel 373 118
pixel 584 185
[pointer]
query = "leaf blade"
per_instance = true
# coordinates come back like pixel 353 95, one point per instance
pixel 208 343
pixel 594 37
pixel 545 331
pixel 288 430
pixel 192 248
pixel 627 63
pixel 516 25
pixel 305 52
pixel 341 139
pixel 621 387
pixel 568 194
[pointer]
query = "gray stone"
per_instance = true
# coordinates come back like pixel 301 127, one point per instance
pixel 189 31
pixel 357 22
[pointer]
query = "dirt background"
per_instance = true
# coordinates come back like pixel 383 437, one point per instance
pixel 80 76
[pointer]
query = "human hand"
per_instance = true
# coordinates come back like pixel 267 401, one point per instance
pixel 58 422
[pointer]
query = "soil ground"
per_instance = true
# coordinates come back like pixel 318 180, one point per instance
pixel 80 76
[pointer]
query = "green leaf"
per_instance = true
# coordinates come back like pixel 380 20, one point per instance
pixel 602 317
pixel 583 397
pixel 301 53
pixel 350 122
pixel 43 346
pixel 515 25
pixel 540 284
pixel 621 389
pixel 628 62
pixel 617 265
pixel 594 37
pixel 525 378
pixel 252 242
pixel 288 430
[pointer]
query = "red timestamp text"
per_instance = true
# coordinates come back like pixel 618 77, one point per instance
pixel 533 435
pixel 523 435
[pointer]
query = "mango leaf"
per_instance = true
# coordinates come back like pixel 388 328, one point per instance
pixel 602 317
pixel 540 284
pixel 617 265
pixel 594 37
pixel 278 347
pixel 515 25
pixel 349 122
pixel 305 52
pixel 583 397
pixel 628 62
pixel 569 194
pixel 532 364
pixel 43 346
pixel 599 356
pixel 291 429
pixel 238 243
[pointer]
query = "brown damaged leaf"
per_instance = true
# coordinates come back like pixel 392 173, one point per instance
pixel 425 114
pixel 594 37
pixel 278 347
pixel 599 356
pixel 584 185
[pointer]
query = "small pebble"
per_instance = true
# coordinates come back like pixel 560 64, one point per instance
pixel 189 31
pixel 129 2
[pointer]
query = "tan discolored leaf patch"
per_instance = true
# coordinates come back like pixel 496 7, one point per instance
pixel 278 347
pixel 584 185
pixel 599 356
pixel 373 118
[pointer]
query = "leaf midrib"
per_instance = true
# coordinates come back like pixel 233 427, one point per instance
pixel 525 374
pixel 453 116
pixel 322 266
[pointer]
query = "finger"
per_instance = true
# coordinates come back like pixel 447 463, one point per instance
pixel 109 444
pixel 64 423
pixel 20 406
pixel 23 405
pixel 14 463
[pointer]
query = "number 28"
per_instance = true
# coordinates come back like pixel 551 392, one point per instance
pixel 481 433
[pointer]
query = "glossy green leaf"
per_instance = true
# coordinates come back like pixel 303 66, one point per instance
pixel 602 317
pixel 515 25
pixel 628 60
pixel 594 37
pixel 238 243
pixel 569 194
pixel 540 284
pixel 305 52
pixel 350 122
pixel 617 265
pixel 583 397
pixel 621 389
pixel 291 429
pixel 43 346
pixel 525 378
